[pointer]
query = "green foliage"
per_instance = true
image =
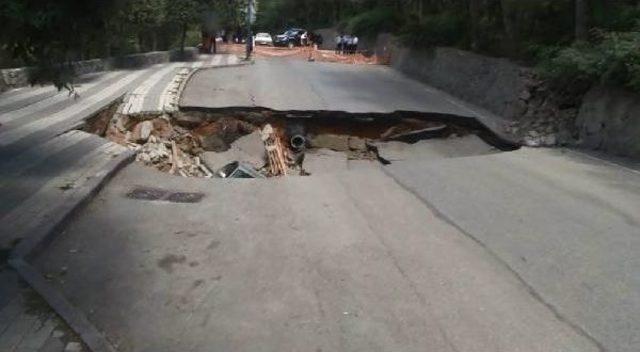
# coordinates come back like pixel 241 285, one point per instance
pixel 621 17
pixel 442 29
pixel 372 22
pixel 193 38
pixel 613 59
pixel 48 34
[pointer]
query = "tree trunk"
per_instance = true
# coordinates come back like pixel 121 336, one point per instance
pixel 183 39
pixel 154 42
pixel 509 18
pixel 581 20
pixel 474 17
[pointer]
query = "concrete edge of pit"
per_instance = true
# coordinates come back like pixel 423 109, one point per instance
pixel 119 101
pixel 193 72
pixel 493 136
pixel 37 240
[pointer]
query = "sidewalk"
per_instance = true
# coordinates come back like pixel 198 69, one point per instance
pixel 48 169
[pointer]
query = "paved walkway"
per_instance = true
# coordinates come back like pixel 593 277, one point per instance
pixel 47 168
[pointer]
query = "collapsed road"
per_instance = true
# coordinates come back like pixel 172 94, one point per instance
pixel 294 85
pixel 455 245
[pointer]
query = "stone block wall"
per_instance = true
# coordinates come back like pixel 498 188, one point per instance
pixel 19 77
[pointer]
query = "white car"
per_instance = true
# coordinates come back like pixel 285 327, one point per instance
pixel 263 39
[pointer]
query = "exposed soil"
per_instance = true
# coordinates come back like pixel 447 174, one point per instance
pixel 201 144
pixel 304 53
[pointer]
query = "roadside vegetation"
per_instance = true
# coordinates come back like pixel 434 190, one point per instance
pixel 583 42
pixel 48 35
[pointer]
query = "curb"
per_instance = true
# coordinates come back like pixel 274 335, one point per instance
pixel 79 323
pixel 38 239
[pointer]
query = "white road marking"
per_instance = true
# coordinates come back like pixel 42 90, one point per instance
pixel 48 102
pixel 24 94
pixel 12 136
pixel 37 207
pixel 137 98
pixel 39 153
pixel 168 98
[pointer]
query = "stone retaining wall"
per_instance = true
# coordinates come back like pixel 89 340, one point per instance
pixel 19 77
pixel 609 120
pixel 492 83
pixel 498 85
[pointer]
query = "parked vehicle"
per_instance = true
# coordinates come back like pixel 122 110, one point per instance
pixel 291 38
pixel 263 39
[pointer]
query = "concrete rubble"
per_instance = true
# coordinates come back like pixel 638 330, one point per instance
pixel 218 146
pixel 249 148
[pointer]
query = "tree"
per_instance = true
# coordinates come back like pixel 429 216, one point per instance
pixel 183 13
pixel 147 16
pixel 581 19
pixel 50 34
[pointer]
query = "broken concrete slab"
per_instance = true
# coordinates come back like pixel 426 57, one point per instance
pixel 249 149
pixel 414 136
pixel 213 143
pixel 338 142
pixel 433 149
pixel 324 161
pixel 357 144
pixel 142 131
pixel 216 136
pixel 334 142
pixel 250 144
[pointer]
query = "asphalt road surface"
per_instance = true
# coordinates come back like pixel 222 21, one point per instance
pixel 342 262
pixel 531 250
pixel 295 85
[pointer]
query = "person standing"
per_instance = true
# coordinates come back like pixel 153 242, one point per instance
pixel 355 44
pixel 313 46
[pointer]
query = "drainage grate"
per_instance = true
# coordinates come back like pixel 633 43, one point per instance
pixel 182 197
pixel 156 194
pixel 144 193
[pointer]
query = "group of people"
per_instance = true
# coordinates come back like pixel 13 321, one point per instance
pixel 346 44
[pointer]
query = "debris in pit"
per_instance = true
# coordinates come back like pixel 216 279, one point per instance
pixel 413 136
pixel 238 169
pixel 248 149
pixel 204 144
pixel 354 147
pixel 277 162
pixel 142 131
pixel 166 156
pixel 216 136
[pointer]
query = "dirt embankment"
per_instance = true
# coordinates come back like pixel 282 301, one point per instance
pixel 305 53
